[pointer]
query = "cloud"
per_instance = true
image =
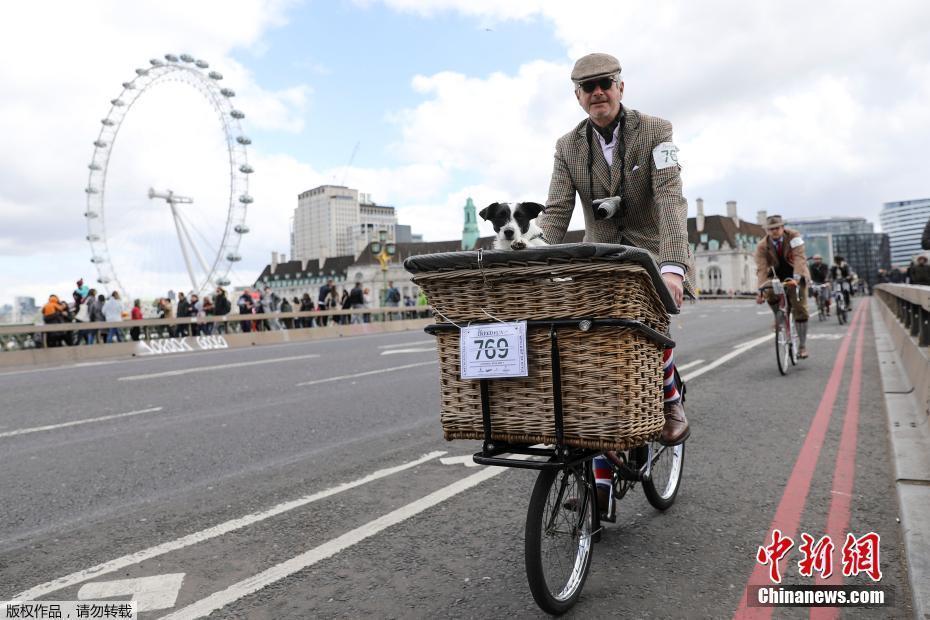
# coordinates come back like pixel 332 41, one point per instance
pixel 827 98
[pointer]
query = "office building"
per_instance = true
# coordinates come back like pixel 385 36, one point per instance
pixel 904 221
pixel 830 225
pixel 323 221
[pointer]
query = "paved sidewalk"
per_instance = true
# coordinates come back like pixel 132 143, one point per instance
pixel 909 434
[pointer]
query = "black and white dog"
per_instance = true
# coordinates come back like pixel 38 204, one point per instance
pixel 514 224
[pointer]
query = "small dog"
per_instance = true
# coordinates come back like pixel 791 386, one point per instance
pixel 514 224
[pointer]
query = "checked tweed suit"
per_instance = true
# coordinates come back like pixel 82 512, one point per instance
pixel 656 213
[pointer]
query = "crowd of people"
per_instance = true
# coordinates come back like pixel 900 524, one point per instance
pixel 87 306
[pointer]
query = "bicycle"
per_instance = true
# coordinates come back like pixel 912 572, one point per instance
pixel 786 335
pixel 820 293
pixel 839 296
pixel 563 518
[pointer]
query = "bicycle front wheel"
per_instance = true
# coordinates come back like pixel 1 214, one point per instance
pixel 781 343
pixel 793 341
pixel 661 487
pixel 559 531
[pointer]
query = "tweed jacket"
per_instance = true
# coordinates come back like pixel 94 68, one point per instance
pixel 656 213
pixel 766 257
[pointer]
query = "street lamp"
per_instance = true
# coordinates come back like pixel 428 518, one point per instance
pixel 383 251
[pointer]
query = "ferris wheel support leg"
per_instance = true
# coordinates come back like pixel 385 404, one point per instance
pixel 187 260
pixel 190 242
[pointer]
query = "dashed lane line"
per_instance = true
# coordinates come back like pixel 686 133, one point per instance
pixel 186 371
pixel 738 350
pixel 212 532
pixel 431 341
pixel 685 367
pixel 249 585
pixel 52 427
pixel 366 373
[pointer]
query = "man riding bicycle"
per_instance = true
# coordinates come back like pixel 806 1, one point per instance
pixel 782 252
pixel 840 272
pixel 618 151
pixel 820 276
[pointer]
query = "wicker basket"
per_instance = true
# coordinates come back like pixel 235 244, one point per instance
pixel 611 376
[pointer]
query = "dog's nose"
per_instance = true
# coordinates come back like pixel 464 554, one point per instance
pixel 508 233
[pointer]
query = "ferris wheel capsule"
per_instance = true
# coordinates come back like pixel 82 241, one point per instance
pixel 203 64
pixel 228 92
pixel 187 58
pixel 171 58
pixel 243 140
pixel 237 114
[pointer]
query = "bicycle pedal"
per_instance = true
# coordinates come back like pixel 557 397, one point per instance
pixel 608 518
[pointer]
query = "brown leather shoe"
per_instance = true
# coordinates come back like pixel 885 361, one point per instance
pixel 676 429
pixel 802 353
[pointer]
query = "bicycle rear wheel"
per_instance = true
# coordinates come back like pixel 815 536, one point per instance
pixel 781 343
pixel 661 487
pixel 559 531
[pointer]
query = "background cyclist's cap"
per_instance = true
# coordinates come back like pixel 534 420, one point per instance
pixel 774 221
pixel 594 66
pixel 818 257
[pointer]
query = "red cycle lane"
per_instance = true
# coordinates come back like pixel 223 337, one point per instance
pixel 791 507
pixel 844 474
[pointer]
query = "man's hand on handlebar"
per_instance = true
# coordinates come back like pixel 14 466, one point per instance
pixel 759 296
pixel 674 283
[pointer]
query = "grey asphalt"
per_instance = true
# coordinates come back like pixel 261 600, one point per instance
pixel 232 441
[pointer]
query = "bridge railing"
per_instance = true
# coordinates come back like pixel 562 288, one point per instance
pixel 911 304
pixel 19 337
pixel 906 310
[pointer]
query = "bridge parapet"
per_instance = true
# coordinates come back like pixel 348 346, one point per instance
pixel 906 311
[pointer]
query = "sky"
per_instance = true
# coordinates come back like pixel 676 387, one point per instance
pixel 798 108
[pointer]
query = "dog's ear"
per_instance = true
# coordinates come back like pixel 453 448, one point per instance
pixel 533 209
pixel 489 211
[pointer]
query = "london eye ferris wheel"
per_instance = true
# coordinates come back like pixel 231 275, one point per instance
pixel 138 234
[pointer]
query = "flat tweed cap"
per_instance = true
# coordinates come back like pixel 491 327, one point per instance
pixel 595 66
pixel 774 221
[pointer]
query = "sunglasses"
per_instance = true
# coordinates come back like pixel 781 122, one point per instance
pixel 604 83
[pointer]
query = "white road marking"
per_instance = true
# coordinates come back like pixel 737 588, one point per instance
pixel 151 593
pixel 51 427
pixel 738 350
pixel 407 344
pixel 218 600
pixel 421 350
pixel 185 371
pixel 212 532
pixel 764 312
pixel 465 459
pixel 684 367
pixel 825 336
pixel 365 374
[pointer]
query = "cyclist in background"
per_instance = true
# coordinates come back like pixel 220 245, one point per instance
pixel 782 252
pixel 840 272
pixel 820 275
